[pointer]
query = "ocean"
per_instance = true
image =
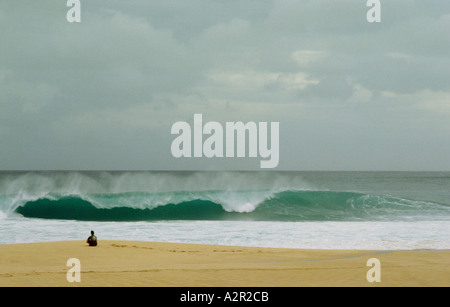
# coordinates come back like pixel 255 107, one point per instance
pixel 289 209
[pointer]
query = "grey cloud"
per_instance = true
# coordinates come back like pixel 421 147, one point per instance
pixel 111 86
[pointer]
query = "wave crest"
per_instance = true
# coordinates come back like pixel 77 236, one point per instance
pixel 286 205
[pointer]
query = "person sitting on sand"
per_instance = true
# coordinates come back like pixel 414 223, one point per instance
pixel 92 240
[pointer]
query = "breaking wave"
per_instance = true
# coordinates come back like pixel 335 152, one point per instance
pixel 286 205
pixel 153 196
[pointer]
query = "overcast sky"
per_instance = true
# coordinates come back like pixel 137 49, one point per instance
pixel 103 94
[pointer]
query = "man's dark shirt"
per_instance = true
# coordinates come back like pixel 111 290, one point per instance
pixel 92 240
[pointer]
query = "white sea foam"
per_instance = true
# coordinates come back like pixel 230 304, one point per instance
pixel 310 235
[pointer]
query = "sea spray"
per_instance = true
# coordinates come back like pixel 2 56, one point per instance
pixel 18 188
pixel 289 205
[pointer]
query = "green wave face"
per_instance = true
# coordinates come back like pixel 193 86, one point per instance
pixel 289 205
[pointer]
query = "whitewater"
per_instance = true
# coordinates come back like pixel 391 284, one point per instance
pixel 326 210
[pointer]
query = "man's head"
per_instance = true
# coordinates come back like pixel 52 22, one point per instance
pixel 92 232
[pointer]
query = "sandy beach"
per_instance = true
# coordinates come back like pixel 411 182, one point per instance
pixel 136 263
